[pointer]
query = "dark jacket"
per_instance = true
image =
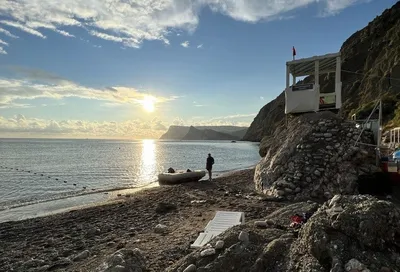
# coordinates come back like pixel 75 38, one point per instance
pixel 210 162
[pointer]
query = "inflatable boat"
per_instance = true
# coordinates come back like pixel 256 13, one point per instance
pixel 180 176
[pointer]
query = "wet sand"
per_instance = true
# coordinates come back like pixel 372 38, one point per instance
pixel 52 243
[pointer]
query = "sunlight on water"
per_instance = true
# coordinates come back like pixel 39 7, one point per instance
pixel 148 160
pixel 38 176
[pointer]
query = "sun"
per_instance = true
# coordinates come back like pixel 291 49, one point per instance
pixel 148 103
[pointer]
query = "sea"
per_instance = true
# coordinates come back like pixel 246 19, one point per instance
pixel 43 176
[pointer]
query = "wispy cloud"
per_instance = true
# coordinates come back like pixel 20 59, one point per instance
pixel 3 42
pixel 37 83
pixel 8 33
pixel 65 33
pixel 200 46
pixel 132 22
pixel 262 97
pixel 197 104
pixel 185 44
pixel 23 28
pixel 2 51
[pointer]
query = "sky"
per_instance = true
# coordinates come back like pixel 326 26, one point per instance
pixel 131 68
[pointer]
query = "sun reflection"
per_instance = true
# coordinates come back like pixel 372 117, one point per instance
pixel 148 167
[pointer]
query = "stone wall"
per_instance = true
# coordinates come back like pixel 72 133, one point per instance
pixel 314 157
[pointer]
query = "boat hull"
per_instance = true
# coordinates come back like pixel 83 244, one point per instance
pixel 180 177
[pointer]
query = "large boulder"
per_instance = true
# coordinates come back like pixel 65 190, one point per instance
pixel 315 157
pixel 346 233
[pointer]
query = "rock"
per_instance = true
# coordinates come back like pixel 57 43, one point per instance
pixel 129 259
pixel 160 228
pixel 385 269
pixel 81 256
pixel 261 224
pixel 60 263
pixel 244 236
pixel 118 268
pixel 190 268
pixel 219 244
pixel 327 135
pixel 33 263
pixel 163 207
pixel 317 173
pixel 207 252
pixel 354 264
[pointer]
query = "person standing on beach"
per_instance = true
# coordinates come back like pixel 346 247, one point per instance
pixel 209 164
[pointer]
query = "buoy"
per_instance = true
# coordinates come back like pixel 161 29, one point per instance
pixel 56 178
pixel 41 174
pixel 49 177
pixel 84 187
pixel 65 181
pixel 74 184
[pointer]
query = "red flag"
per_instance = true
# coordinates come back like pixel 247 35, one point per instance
pixel 294 51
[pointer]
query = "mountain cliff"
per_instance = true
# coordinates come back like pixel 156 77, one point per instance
pixel 204 133
pixel 207 134
pixel 175 133
pixel 370 69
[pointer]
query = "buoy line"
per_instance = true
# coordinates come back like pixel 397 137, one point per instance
pixel 35 173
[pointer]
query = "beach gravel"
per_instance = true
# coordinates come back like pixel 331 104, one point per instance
pixel 54 242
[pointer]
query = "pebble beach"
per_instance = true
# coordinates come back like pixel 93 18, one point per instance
pixel 162 222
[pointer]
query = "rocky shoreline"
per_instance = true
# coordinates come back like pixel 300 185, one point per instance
pixel 161 222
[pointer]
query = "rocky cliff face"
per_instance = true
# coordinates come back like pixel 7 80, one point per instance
pixel 370 68
pixel 207 134
pixel 267 120
pixel 314 157
pixel 204 133
pixel 175 133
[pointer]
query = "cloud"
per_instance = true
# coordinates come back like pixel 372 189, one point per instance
pixel 22 126
pixel 178 122
pixel 333 7
pixel 23 28
pixel 185 44
pixel 8 33
pixel 262 97
pixel 65 33
pixel 2 51
pixel 132 22
pixel 200 46
pixel 3 42
pixel 41 84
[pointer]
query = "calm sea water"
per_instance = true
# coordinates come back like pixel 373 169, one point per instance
pixel 36 174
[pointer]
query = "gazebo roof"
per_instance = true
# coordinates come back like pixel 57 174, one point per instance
pixel 306 66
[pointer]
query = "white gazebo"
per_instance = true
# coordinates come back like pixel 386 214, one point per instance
pixel 307 97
